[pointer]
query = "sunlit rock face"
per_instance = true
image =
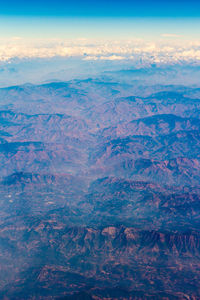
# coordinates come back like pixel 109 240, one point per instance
pixel 100 189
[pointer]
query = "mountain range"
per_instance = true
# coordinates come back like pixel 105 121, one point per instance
pixel 100 190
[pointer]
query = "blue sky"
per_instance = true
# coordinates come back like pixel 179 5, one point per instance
pixel 103 8
pixel 105 18
pixel 104 27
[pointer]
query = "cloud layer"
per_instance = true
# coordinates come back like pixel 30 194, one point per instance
pixel 163 51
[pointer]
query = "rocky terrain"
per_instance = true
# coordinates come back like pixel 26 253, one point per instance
pixel 100 190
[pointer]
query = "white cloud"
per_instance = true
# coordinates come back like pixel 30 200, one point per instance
pixel 163 51
pixel 111 57
pixel 171 35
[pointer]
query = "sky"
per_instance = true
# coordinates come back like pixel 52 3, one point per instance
pixel 103 8
pixel 111 29
pixel 101 19
pixel 91 27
